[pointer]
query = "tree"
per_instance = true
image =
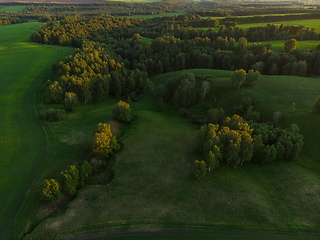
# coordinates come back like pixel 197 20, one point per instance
pixel 51 190
pixel 204 89
pixel 238 77
pixel 159 67
pixel 199 169
pixel 215 116
pixel 161 104
pixel 251 77
pixel 290 45
pixel 84 171
pixel 70 100
pixel 242 42
pixel 277 116
pixel 316 104
pixel 212 159
pixel 185 93
pixel 104 144
pixel 121 111
pixel 70 179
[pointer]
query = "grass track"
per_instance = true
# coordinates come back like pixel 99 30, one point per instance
pixel 154 189
pixel 23 66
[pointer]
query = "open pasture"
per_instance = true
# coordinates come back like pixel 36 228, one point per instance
pixel 312 23
pixel 156 15
pixel 17 8
pixel 277 46
pixel 23 67
pixel 154 189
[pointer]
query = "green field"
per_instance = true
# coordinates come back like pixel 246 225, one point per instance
pixel 12 8
pixel 146 40
pixel 154 189
pixel 156 15
pixel 312 23
pixel 23 66
pixel 277 46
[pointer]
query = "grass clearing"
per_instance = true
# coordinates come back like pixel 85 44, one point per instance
pixel 277 46
pixel 312 23
pixel 13 8
pixel 146 40
pixel 156 15
pixel 23 65
pixel 154 189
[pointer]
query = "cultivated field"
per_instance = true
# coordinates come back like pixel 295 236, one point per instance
pixel 23 67
pixel 154 189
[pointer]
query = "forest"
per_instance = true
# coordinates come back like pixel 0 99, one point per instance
pixel 151 108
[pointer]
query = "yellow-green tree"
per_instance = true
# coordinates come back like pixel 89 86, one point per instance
pixel 290 45
pixel 51 190
pixel 104 144
pixel 121 111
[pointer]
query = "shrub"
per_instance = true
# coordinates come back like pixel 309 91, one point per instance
pixel 121 111
pixel 52 114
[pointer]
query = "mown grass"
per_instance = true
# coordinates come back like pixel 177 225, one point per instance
pixel 23 66
pixel 156 15
pixel 12 8
pixel 154 189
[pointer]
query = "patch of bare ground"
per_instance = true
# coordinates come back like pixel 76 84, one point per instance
pixel 114 126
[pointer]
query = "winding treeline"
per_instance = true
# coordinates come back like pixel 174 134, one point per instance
pixel 112 59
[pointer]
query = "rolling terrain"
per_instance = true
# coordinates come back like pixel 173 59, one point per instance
pixel 154 189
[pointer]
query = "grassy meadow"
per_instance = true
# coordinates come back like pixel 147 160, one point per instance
pixel 156 15
pixel 17 8
pixel 154 189
pixel 312 23
pixel 23 66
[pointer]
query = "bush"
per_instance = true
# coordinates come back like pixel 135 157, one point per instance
pixel 121 111
pixel 317 104
pixel 52 114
